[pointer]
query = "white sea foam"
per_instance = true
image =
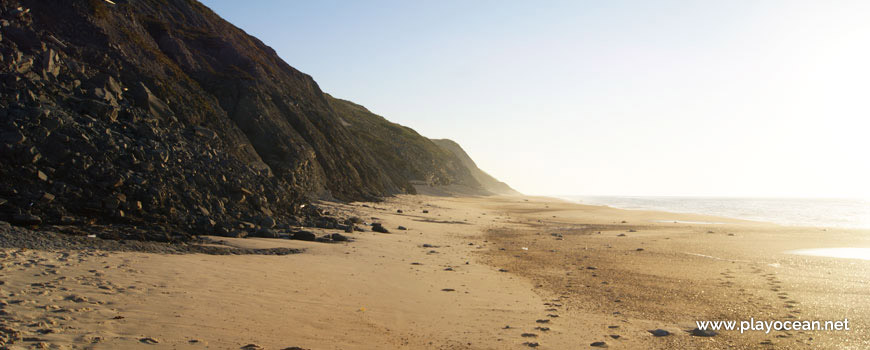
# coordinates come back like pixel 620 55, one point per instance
pixel 846 213
pixel 844 253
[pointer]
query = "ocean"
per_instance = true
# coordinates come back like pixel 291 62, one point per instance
pixel 821 212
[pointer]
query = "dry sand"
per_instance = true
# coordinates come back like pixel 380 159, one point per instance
pixel 610 273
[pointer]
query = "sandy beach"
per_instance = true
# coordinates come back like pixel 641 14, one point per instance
pixel 470 273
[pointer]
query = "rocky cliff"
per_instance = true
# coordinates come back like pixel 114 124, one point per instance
pixel 158 113
pixel 485 181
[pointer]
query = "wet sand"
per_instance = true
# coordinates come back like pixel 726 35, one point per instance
pixel 457 278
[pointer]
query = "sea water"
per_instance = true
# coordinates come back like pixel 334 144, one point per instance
pixel 820 212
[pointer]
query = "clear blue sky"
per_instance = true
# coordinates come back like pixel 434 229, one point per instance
pixel 734 98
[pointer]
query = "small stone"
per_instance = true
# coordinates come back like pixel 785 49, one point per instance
pixel 703 332
pixel 149 340
pixel 41 176
pixel 599 344
pixel 660 332
pixel 204 132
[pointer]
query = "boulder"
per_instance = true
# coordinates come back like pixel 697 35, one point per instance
pixel 303 236
pixel 265 233
pixel 338 237
pixel 143 98
pixel 26 220
pixel 377 227
pixel 268 222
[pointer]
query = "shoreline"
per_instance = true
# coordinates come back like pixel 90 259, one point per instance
pixel 759 220
pixel 454 279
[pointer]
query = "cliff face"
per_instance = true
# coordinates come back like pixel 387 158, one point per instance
pixel 159 111
pixel 486 181
pixel 408 159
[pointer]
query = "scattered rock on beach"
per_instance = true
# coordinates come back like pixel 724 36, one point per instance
pixel 149 340
pixel 378 227
pixel 252 347
pixel 659 332
pixel 703 332
pixel 403 228
pixel 529 335
pixel 337 237
pixel 264 233
pixel 303 236
pixel 598 344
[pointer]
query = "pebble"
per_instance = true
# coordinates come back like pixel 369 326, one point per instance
pixel 660 332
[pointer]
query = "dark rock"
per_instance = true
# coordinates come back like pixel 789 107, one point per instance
pixel 338 237
pixel 399 211
pixel 265 233
pixel 402 228
pixel 143 98
pixel 660 332
pixel 26 220
pixel 425 212
pixel 205 133
pixel 598 344
pixel 268 222
pixel 703 332
pixel 379 228
pixel 303 236
pixel 13 137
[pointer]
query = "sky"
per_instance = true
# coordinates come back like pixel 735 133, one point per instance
pixel 635 98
